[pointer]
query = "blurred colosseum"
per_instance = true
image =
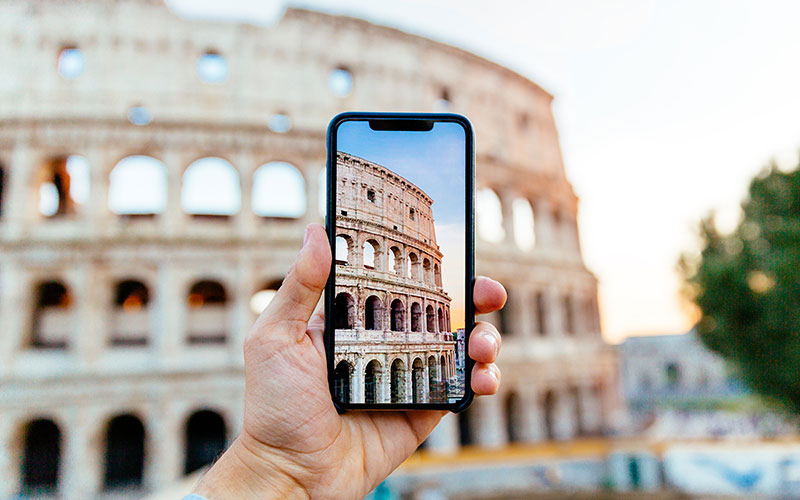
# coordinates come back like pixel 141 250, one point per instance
pixel 126 287
pixel 394 343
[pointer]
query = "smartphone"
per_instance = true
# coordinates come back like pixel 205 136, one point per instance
pixel 400 219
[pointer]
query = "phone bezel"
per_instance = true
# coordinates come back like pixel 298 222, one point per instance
pixel 469 275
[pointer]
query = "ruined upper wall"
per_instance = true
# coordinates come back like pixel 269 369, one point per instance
pixel 139 53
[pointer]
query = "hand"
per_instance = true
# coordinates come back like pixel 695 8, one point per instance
pixel 293 443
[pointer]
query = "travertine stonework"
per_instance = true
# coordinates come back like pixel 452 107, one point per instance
pixel 143 316
pixel 393 338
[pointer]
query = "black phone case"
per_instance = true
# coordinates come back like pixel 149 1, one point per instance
pixel 403 121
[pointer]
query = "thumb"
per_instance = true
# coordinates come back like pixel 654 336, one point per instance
pixel 297 297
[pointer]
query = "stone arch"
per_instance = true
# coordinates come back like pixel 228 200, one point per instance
pixel 418 380
pixel 344 249
pixel 523 222
pixel 514 417
pixel 279 190
pixel 427 271
pixel 395 260
pixel 413 266
pixel 211 189
pixel 416 317
pixel 437 274
pixel 344 311
pixel 373 313
pixel 205 437
pixel 138 187
pixel 62 183
pixel 398 316
pixel 52 321
pixel 262 297
pixel 372 382
pixel 130 321
pixel 398 381
pixel 124 453
pixel 447 319
pixel 207 317
pixel 41 457
pixel 342 376
pixel 430 319
pixel 443 370
pixel 371 254
pixel 440 317
pixel 489 211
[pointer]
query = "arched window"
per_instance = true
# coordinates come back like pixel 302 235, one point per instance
pixel 140 115
pixel 343 246
pixel 131 317
pixel 418 381
pixel 443 373
pixel 70 62
pixel 211 188
pixel 430 319
pixel 341 382
pixel 427 272
pixel 138 187
pixel 280 122
pixel 416 317
pixel 437 273
pixel 41 458
pixel 372 379
pixel 549 402
pixel 447 325
pixel 541 314
pixel 441 319
pixel 372 254
pixel 569 315
pixel 398 381
pixel 398 316
pixel 124 453
pixel 524 231
pixel 207 319
pixel 63 185
pixel 514 415
pixel 205 439
pixel 279 190
pixel 435 383
pixel 465 431
pixel 212 67
pixel 395 261
pixel 413 266
pixel 52 317
pixel 490 216
pixel 344 311
pixel 340 82
pixel 373 313
pixel 261 299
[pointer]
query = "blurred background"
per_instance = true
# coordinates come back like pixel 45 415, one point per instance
pixel 159 161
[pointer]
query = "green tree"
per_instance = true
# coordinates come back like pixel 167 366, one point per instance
pixel 747 287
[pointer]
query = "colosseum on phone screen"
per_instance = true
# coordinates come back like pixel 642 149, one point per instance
pixel 400 272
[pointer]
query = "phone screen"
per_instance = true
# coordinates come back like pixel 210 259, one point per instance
pixel 403 262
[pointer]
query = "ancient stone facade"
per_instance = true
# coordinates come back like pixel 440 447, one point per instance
pixel 123 307
pixel 393 338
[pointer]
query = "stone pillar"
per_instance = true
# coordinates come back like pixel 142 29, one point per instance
pixel 16 305
pixel 359 375
pixel 246 219
pixel 489 425
pixel 543 225
pixel 426 393
pixel 19 203
pixel 94 301
pixel 82 455
pixel 173 219
pixel 564 421
pixel 507 205
pixel 385 392
pixel 408 375
pixel 533 430
pixel 591 410
pixel 554 311
pixel 9 460
pixel 170 310
pixel 164 446
pixel 444 438
pixel 242 315
pixel 99 215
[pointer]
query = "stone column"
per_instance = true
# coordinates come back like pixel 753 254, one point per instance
pixel 246 219
pixel 533 419
pixel 98 213
pixel 359 375
pixel 554 311
pixel 16 305
pixel 489 425
pixel 170 309
pixel 82 454
pixel 507 206
pixel 426 394
pixel 591 411
pixel 444 438
pixel 173 219
pixel 89 334
pixel 242 315
pixel 19 204
pixel 543 225
pixel 9 460
pixel 385 392
pixel 408 375
pixel 164 446
pixel 564 421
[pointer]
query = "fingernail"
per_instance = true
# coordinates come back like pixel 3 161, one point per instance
pixel 306 234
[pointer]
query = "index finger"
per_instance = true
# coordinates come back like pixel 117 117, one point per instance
pixel 488 295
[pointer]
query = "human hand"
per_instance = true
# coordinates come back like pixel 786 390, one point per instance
pixel 294 444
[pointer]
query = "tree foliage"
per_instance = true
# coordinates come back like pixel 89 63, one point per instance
pixel 747 287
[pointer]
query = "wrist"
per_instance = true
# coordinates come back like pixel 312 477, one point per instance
pixel 245 472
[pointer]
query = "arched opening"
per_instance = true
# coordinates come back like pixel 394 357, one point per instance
pixel 569 315
pixel 70 62
pixel 398 381
pixel 279 191
pixel 465 433
pixel 371 254
pixel 418 381
pixel 541 314
pixel 340 81
pixel 524 230
pixel 280 122
pixel 395 261
pixel 372 377
pixel 211 189
pixel 413 266
pixel 427 271
pixel 344 311
pixel 549 403
pixel 139 115
pixel 435 384
pixel 124 453
pixel 398 316
pixel 443 374
pixel 212 67
pixel 207 317
pixel 52 317
pixel 416 317
pixel 490 216
pixel 341 382
pixel 131 316
pixel 437 273
pixel 513 418
pixel 262 298
pixel 447 320
pixel 138 187
pixel 343 247
pixel 41 458
pixel 441 319
pixel 63 186
pixel 205 439
pixel 373 312
pixel 430 319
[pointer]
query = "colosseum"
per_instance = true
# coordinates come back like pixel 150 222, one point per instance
pixel 392 316
pixel 126 288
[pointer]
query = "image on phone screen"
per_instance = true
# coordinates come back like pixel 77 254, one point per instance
pixel 400 264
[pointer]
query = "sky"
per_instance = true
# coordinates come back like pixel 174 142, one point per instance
pixel 665 111
pixel 434 161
